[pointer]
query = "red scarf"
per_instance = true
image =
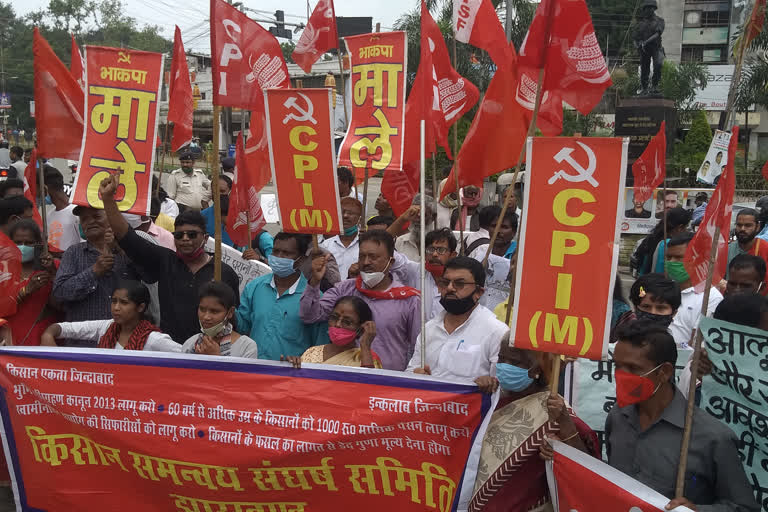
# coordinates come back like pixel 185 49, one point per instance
pixel 400 292
pixel 137 340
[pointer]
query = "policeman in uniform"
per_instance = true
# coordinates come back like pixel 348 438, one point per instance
pixel 189 187
pixel 647 38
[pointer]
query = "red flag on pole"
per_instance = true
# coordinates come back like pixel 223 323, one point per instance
pixel 246 59
pixel 649 170
pixel 244 201
pixel 76 66
pixel 497 134
pixel 318 37
pixel 475 22
pixel 752 27
pixel 59 104
pixel 765 170
pixel 717 215
pixel 30 185
pixel 562 41
pixel 10 275
pixel 180 103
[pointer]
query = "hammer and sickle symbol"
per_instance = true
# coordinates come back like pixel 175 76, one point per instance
pixel 305 114
pixel 123 57
pixel 582 174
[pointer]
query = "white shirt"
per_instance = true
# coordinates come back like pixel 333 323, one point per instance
pixel 241 347
pixel 687 317
pixel 408 273
pixel 345 256
pixel 469 352
pixel 169 208
pixel 63 228
pixel 479 252
pixel 358 196
pixel 93 330
pixel 408 245
pixel 189 189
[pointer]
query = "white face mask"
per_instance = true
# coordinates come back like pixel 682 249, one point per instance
pixel 372 279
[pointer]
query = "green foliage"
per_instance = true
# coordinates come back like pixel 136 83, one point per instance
pixel 611 19
pixel 574 122
pixel 288 48
pixel 691 153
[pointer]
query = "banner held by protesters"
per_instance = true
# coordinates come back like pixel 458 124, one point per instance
pixel 568 253
pixel 119 135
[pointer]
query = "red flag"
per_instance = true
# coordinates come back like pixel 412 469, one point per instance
pixel 10 275
pixel 765 170
pixel 246 59
pixel 257 151
pixel 575 478
pixel 497 134
pixel 562 41
pixel 76 66
pixel 30 186
pixel 717 214
pixel 475 22
pixel 59 104
pixel 180 104
pixel 752 27
pixel 244 201
pixel 649 170
pixel 318 37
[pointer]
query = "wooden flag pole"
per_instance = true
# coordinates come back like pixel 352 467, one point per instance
pixel 554 379
pixel 664 220
pixel 510 193
pixel 365 200
pixel 422 242
pixel 680 483
pixel 41 195
pixel 460 216
pixel 162 156
pixel 246 114
pixel 434 185
pixel 216 201
pixel 343 91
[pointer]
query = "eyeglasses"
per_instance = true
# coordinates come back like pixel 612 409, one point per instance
pixel 344 322
pixel 192 235
pixel 458 284
pixel 437 250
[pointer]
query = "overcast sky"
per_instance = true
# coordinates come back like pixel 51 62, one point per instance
pixel 192 15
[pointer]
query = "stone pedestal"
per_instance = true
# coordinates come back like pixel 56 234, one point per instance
pixel 639 119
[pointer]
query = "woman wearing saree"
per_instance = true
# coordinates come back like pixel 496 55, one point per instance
pixel 350 324
pixel 526 415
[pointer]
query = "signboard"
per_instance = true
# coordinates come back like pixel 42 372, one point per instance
pixel 636 222
pixel 5 100
pixel 94 430
pixel 269 208
pixel 717 157
pixel 246 270
pixel 301 154
pixel 121 111
pixel 569 245
pixel 376 132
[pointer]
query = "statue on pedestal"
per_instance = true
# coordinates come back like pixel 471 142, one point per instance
pixel 647 38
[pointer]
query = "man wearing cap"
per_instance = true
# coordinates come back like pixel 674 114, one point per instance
pixel 189 187
pixel 228 167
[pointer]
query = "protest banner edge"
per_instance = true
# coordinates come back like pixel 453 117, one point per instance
pixel 85 120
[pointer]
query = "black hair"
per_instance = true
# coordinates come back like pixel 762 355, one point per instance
pixel 226 179
pixel 345 175
pixel 512 217
pixel 362 309
pixel 4 144
pixel 11 206
pixel 662 288
pixel 381 238
pixel 154 207
pixel 192 217
pixel 487 215
pixel 162 195
pixel 671 192
pixel 618 290
pixel 750 212
pixel 27 225
pixel 380 219
pixel 224 205
pixel 138 293
pixel 742 308
pixel 438 235
pixel 10 183
pixel 471 264
pixel 675 217
pixel 54 180
pixel 702 195
pixel 743 261
pixel 681 239
pixel 18 150
pixel 302 240
pixel 220 291
pixel 644 333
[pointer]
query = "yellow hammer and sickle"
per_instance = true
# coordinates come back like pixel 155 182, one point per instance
pixel 123 57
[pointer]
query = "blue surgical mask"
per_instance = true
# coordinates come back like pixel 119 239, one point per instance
pixel 282 267
pixel 351 230
pixel 27 253
pixel 512 378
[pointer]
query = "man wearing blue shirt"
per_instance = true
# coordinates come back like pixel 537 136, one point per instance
pixel 269 305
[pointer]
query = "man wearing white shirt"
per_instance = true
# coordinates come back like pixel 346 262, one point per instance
pixel 63 224
pixel 346 246
pixel 688 315
pixel 462 343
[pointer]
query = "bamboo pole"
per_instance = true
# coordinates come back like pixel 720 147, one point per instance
pixel 216 202
pixel 422 248
pixel 664 220
pixel 434 185
pixel 162 156
pixel 343 91
pixel 41 195
pixel 554 379
pixel 460 216
pixel 363 226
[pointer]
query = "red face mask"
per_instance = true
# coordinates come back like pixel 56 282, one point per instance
pixel 632 389
pixel 435 269
pixel 340 336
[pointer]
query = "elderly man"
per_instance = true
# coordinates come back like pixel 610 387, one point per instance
pixel 396 308
pixel 409 243
pixel 189 187
pixel 345 246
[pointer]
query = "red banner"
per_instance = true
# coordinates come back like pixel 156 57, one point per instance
pixel 569 245
pixel 121 111
pixel 299 124
pixel 375 137
pixel 93 430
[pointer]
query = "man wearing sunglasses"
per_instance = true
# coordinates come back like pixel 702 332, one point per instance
pixel 179 274
pixel 463 341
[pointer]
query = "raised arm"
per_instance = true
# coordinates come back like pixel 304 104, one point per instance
pixel 314 305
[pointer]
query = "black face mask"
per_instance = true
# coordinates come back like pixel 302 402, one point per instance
pixel 663 320
pixel 458 306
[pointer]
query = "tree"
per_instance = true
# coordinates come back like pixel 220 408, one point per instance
pixel 690 154
pixel 612 20
pixel 288 48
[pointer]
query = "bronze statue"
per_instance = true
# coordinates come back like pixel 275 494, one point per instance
pixel 647 38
